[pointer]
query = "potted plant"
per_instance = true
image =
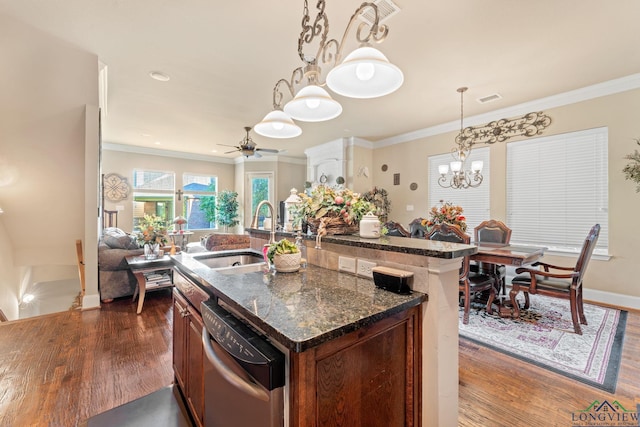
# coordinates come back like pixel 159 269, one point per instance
pixel 152 235
pixel 227 209
pixel 284 256
pixel 447 213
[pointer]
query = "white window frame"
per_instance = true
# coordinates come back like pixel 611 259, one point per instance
pixel 140 189
pixel 557 189
pixel 195 177
pixel 475 202
pixel 270 176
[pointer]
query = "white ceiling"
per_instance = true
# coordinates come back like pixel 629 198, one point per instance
pixel 224 59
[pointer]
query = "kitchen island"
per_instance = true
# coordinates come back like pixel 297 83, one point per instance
pixel 353 348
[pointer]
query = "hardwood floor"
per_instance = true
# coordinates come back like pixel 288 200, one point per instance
pixel 60 369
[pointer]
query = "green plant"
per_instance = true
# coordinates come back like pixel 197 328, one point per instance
pixel 227 208
pixel 208 205
pixel 632 170
pixel 281 247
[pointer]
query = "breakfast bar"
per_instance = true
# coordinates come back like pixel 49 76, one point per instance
pixel 321 307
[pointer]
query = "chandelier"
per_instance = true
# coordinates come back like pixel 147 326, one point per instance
pixel 364 73
pixel 459 177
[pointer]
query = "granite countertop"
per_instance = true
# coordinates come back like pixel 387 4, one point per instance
pixel 431 248
pixel 304 309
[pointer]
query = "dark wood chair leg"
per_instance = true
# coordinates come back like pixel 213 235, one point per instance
pixel 574 312
pixel 583 319
pixel 492 296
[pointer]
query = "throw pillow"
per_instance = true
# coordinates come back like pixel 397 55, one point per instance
pixel 118 239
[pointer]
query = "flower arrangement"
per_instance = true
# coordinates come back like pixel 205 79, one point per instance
pixel 152 231
pixel 325 201
pixel 446 213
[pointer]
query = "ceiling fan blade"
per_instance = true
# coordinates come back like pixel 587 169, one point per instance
pixel 229 152
pixel 267 150
pixel 256 154
pixel 226 145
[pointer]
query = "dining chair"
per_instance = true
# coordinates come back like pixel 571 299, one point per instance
pixel 492 231
pixel 468 283
pixel 396 229
pixel 417 230
pixel 566 283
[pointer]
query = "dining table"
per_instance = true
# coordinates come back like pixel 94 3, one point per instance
pixel 496 254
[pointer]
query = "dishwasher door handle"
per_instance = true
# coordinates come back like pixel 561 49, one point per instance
pixel 244 384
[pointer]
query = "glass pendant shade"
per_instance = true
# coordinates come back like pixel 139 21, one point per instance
pixel 443 169
pixel 456 166
pixel 365 73
pixel 277 124
pixel 313 104
pixel 476 166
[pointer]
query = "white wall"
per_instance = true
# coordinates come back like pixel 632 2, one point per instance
pixel 45 85
pixel 618 112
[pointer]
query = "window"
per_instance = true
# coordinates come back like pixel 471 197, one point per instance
pixel 474 201
pixel 199 201
pixel 261 185
pixel 557 189
pixel 153 193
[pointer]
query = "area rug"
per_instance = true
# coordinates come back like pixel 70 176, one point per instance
pixel 544 337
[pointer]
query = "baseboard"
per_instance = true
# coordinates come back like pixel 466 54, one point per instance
pixel 90 301
pixel 620 300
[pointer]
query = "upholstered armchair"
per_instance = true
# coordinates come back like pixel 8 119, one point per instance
pixel 564 282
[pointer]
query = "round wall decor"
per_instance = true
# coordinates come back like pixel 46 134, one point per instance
pixel 116 187
pixel 384 168
pixel 413 186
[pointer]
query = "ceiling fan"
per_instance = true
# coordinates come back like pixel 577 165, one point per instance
pixel 248 148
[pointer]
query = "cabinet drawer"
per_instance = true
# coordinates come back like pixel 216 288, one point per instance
pixel 190 290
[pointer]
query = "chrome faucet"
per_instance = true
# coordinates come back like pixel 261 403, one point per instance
pixel 254 222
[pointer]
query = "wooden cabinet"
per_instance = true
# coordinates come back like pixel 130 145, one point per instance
pixel 188 352
pixel 370 377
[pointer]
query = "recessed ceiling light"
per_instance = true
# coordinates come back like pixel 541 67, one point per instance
pixel 157 143
pixel 160 76
pixel 214 151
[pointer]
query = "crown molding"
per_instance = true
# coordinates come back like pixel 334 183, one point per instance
pixel 610 87
pixel 164 153
pixel 279 159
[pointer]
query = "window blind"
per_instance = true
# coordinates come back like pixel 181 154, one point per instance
pixel 474 201
pixel 557 189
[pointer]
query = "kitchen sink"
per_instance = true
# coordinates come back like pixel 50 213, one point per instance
pixel 224 259
pixel 241 269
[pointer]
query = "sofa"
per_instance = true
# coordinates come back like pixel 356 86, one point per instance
pixel 114 276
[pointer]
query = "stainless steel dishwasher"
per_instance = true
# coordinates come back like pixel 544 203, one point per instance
pixel 244 381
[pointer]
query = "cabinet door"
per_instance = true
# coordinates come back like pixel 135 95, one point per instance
pixel 195 379
pixel 180 339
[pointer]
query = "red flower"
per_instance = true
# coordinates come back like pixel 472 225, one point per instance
pixel 461 218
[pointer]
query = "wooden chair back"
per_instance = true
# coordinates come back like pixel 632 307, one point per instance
pixel 492 231
pixel 110 219
pixel 588 247
pixel 417 230
pixel 396 229
pixel 453 234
